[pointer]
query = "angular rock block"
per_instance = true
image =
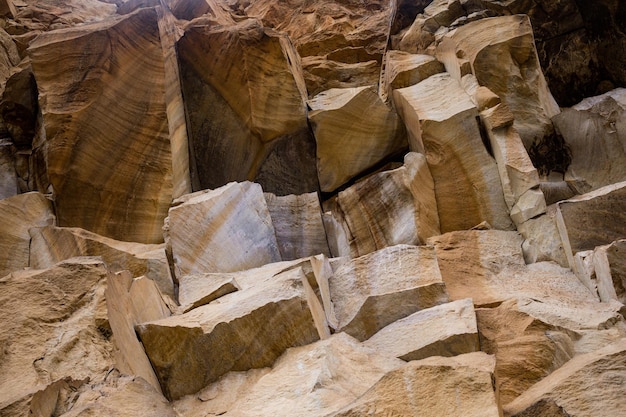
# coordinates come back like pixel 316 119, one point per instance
pixel 444 330
pixel 297 221
pixel 224 230
pixel 9 56
pixel 131 302
pixel 105 122
pixel 197 290
pixel 458 386
pixel 308 381
pixel 502 55
pixel 542 241
pixel 403 70
pixel 481 264
pixel 50 245
pixel 245 110
pixel 588 385
pixel 385 209
pixel 441 120
pixel 373 291
pixel 48 327
pixel 19 214
pixel 595 132
pixel 530 204
pixel 609 265
pixel 247 329
pixel 350 140
pixel 593 219
pixel 526 348
pixel 7 8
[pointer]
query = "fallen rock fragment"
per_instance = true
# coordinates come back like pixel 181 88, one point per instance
pixel 385 209
pixel 426 388
pixel 257 324
pixel 590 384
pixel 350 141
pixel 373 291
pixel 19 214
pixel 50 245
pixel 224 230
pixel 444 330
pixel 441 121
pixel 200 289
pixel 609 264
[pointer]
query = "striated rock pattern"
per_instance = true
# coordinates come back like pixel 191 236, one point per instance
pixel 312 208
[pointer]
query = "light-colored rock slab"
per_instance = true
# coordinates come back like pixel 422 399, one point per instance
pixel 444 330
pixel 530 204
pixel 595 133
pixel 298 225
pixel 243 330
pixel 48 327
pixel 19 214
pixel 609 264
pixel 131 302
pixel 197 290
pixel 441 121
pixel 350 140
pixel 542 241
pixel 50 245
pixel 385 209
pixel 455 387
pixel 403 70
pixel 503 57
pixel 373 291
pixel 588 385
pixel 224 230
pixel 488 266
pixel 105 121
pixel 308 381
pixel 593 219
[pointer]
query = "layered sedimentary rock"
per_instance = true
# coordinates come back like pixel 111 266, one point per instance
pixel 441 120
pixel 318 379
pixel 590 384
pixel 609 270
pixel 105 126
pixel 426 388
pixel 223 230
pixel 298 225
pixel 50 245
pixel 372 291
pixel 19 214
pixel 385 209
pixel 350 141
pixel 197 290
pixel 444 330
pixel 245 110
pixel 403 70
pixel 258 324
pixel 542 240
pixel 48 329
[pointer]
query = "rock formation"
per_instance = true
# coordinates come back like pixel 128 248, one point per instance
pixel 312 208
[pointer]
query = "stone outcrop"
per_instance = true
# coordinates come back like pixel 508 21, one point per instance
pixel 444 330
pixel 385 209
pixel 441 120
pixel 606 271
pixel 19 214
pixel 373 291
pixel 101 114
pixel 350 141
pixel 223 230
pixel 403 70
pixel 426 388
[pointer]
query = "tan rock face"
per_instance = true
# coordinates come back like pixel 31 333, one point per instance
pixel 223 230
pixel 441 119
pixel 444 330
pixel 50 245
pixel 610 271
pixel 385 209
pixel 257 128
pixel 427 387
pixel 403 70
pixel 19 214
pixel 257 324
pixel 590 384
pixel 372 291
pixel 349 141
pixel 102 113
pixel 48 328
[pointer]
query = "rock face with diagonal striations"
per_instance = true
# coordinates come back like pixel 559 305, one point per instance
pixel 105 126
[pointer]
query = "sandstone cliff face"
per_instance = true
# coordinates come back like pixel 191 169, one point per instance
pixel 312 208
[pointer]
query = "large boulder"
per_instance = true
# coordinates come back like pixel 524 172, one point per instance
pixel 105 123
pixel 441 120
